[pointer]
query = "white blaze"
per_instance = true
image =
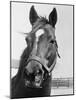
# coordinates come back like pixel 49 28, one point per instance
pixel 39 33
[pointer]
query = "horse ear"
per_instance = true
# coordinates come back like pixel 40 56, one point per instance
pixel 53 17
pixel 33 15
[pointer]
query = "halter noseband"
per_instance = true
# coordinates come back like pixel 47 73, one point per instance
pixel 43 62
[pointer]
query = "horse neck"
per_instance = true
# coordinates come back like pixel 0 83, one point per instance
pixel 22 64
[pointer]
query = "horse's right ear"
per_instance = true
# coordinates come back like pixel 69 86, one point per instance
pixel 33 15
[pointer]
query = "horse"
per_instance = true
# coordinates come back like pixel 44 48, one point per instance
pixel 38 59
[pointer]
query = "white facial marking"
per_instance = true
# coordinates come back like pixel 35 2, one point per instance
pixel 39 33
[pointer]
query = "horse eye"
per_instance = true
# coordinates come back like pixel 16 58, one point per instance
pixel 52 41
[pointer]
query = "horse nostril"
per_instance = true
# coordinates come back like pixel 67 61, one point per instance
pixel 52 41
pixel 39 72
pixel 28 76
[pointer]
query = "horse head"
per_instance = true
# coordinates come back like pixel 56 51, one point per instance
pixel 44 49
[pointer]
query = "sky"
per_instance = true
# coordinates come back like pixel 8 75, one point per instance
pixel 64 33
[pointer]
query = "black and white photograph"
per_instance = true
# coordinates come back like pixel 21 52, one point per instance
pixel 42 49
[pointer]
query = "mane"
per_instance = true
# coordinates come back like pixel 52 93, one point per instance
pixel 44 20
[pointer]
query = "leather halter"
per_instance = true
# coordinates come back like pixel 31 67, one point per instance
pixel 43 62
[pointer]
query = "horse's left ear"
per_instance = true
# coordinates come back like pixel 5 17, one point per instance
pixel 53 17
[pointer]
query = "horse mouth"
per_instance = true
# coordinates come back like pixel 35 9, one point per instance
pixel 34 84
pixel 37 82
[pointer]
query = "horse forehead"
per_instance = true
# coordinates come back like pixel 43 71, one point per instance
pixel 38 34
pixel 48 31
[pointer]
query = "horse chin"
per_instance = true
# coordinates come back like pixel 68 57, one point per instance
pixel 33 84
pixel 37 83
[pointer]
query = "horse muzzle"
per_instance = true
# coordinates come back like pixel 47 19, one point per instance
pixel 36 70
pixel 33 75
